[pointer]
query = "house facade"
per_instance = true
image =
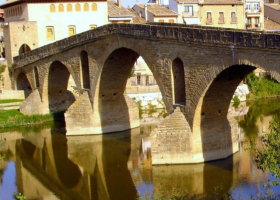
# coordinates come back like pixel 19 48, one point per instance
pixel 156 13
pixel 30 24
pixel 247 14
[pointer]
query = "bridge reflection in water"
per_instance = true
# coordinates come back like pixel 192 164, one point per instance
pixel 114 166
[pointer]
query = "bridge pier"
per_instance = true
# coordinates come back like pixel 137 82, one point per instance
pixel 173 142
pixel 34 105
pixel 117 114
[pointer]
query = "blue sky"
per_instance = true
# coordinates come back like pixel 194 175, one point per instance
pixel 125 3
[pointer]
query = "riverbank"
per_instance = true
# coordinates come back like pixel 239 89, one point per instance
pixel 13 118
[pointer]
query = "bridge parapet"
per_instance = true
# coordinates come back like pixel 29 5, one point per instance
pixel 157 31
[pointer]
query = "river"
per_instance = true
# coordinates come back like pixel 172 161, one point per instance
pixel 42 163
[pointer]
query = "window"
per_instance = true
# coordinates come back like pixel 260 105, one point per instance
pixel 52 8
pixel 86 7
pixel 171 21
pixel 94 7
pixel 209 18
pixel 160 20
pixel 50 32
pixel 189 9
pixel 257 21
pixel 126 21
pixel 92 27
pixel 221 18
pixel 69 7
pixel 233 17
pixel 60 8
pixel 71 30
pixel 248 7
pixel 256 7
pixel 78 7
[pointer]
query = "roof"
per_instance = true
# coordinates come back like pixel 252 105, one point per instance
pixel 187 1
pixel 137 19
pixel 158 10
pixel 271 25
pixel 221 2
pixel 115 11
pixel 16 2
pixel 274 6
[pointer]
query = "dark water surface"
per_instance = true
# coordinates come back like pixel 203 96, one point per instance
pixel 44 164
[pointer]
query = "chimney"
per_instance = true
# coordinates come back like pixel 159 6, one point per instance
pixel 119 3
pixel 146 12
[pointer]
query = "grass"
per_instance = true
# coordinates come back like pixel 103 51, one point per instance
pixel 11 100
pixel 13 118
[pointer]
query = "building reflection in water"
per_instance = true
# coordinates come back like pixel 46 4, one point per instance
pixel 118 166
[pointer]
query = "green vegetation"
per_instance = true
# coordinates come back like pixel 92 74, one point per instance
pixel 11 100
pixel 13 118
pixel 267 157
pixel 19 196
pixel 2 68
pixel 262 87
pixel 236 101
pixel 258 108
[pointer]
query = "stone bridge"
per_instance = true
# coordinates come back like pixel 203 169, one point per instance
pixel 197 70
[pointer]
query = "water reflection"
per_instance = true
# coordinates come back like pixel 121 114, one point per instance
pixel 118 166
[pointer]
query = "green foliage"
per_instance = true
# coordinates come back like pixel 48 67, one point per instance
pixel 236 101
pixel 262 87
pixel 14 65
pixel 132 73
pixel 11 100
pixel 2 68
pixel 13 118
pixel 267 158
pixel 19 196
pixel 258 109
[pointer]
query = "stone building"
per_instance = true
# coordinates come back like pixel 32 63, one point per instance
pixel 30 24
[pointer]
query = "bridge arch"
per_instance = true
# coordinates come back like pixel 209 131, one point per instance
pixel 178 82
pixel 22 83
pixel 55 89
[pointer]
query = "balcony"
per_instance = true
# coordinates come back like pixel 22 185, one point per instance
pixel 209 21
pixel 221 20
pixel 253 12
pixel 253 26
pixel 233 20
pixel 190 14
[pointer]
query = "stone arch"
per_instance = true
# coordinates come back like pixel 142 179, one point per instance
pixel 86 7
pixel 55 89
pixel 77 7
pixel 178 76
pixel 52 8
pixel 22 83
pixel 69 7
pixel 36 77
pixel 94 7
pixel 210 123
pixel 60 8
pixel 85 70
pixel 23 49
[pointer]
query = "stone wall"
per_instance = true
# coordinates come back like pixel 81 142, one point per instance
pixel 17 34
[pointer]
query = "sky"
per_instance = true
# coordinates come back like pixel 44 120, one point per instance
pixel 124 3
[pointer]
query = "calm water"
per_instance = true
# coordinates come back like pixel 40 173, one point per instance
pixel 44 164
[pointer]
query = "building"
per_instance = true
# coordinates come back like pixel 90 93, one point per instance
pixel 164 3
pixel 30 24
pixel 156 13
pixel 254 14
pixel 119 14
pixel 220 13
